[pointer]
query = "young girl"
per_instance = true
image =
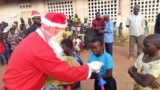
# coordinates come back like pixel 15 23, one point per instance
pixel 146 71
pixel 70 57
pixel 98 54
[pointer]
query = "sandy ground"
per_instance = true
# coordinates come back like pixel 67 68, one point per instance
pixel 120 56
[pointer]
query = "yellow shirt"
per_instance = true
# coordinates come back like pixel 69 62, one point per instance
pixel 68 33
pixel 151 68
pixel 76 19
pixel 72 62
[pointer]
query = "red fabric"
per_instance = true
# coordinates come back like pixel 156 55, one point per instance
pixel 56 17
pixel 33 60
pixel 35 13
pixel 98 23
pixel 2 49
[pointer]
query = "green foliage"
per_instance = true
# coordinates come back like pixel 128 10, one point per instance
pixel 120 40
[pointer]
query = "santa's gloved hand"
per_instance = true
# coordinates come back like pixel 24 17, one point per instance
pixel 95 66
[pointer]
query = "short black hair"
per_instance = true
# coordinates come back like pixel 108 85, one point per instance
pixel 97 13
pixel 136 6
pixel 97 39
pixel 67 42
pixel 155 38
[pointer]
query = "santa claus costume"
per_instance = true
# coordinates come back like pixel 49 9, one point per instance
pixel 39 55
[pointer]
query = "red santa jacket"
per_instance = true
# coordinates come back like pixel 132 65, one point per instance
pixel 33 60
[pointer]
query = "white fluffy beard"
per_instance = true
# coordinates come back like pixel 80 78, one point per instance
pixel 56 48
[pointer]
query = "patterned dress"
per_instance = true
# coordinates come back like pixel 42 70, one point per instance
pixel 151 68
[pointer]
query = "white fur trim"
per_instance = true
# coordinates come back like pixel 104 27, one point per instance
pixel 89 72
pixel 35 15
pixel 40 34
pixel 49 23
pixel 56 47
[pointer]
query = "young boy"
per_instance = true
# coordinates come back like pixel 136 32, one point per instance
pixel 67 46
pixel 98 54
pixel 71 58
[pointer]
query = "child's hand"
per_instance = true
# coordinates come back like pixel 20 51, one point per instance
pixel 155 85
pixel 130 71
pixel 134 69
pixel 95 76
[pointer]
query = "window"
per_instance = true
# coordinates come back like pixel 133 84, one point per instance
pixel 64 6
pixel 147 8
pixel 23 4
pixel 104 7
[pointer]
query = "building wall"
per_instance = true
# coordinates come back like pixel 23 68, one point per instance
pixel 12 12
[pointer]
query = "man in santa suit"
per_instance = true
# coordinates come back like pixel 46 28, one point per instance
pixel 40 55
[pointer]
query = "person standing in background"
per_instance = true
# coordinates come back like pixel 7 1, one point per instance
pixel 98 24
pixel 115 30
pixel 22 25
pixel 135 24
pixel 157 24
pixel 146 28
pixel 70 21
pixel 36 18
pixel 6 44
pixel 108 34
pixel 2 53
pixel 76 18
pixel 120 29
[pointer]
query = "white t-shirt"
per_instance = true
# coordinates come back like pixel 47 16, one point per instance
pixel 78 41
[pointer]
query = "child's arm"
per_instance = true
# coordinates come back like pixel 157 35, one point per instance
pixel 144 80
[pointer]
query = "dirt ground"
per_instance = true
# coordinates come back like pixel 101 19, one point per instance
pixel 120 55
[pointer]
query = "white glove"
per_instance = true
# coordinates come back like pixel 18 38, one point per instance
pixel 95 66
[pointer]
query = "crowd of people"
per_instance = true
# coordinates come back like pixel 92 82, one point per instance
pixel 10 36
pixel 44 34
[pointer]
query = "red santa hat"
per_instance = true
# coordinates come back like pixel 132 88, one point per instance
pixel 55 19
pixel 35 14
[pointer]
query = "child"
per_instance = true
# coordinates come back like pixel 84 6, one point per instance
pixel 6 44
pixel 71 58
pixel 81 44
pixel 2 53
pixel 120 29
pixel 67 46
pixel 67 32
pixel 13 38
pixel 77 43
pixel 77 48
pixel 146 71
pixel 115 30
pixel 146 28
pixel 98 54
